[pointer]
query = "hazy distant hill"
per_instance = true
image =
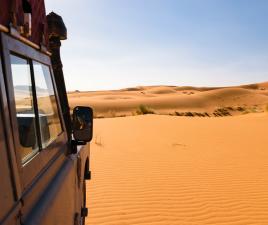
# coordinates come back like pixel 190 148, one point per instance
pixel 24 88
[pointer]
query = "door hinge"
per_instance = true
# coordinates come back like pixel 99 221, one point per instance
pixel 88 175
pixel 77 219
pixel 84 212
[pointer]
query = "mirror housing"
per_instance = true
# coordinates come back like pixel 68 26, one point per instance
pixel 82 124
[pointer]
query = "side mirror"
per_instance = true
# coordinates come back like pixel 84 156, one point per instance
pixel 83 123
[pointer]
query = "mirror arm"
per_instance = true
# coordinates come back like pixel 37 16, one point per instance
pixel 74 145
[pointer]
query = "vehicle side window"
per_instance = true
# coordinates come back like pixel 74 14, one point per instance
pixel 49 120
pixel 22 84
pixel 37 127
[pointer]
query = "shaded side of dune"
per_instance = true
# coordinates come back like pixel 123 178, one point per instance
pixel 177 101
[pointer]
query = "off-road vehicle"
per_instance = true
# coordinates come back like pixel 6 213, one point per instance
pixel 43 153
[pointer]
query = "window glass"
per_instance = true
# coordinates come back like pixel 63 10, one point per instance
pixel 47 106
pixel 21 77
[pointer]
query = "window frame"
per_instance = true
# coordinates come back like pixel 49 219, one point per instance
pixel 38 163
pixel 35 100
pixel 35 107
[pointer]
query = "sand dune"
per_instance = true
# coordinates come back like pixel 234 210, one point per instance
pixel 161 90
pixel 164 170
pixel 176 170
pixel 172 100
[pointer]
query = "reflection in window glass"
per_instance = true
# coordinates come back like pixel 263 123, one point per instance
pixel 21 77
pixel 47 106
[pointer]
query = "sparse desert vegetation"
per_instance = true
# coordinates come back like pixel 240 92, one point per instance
pixel 223 111
pixel 143 110
pixel 197 145
pixel 175 101
pixel 111 113
pixel 98 140
pixel 191 114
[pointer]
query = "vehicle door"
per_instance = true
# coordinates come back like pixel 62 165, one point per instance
pixel 47 175
pixel 9 206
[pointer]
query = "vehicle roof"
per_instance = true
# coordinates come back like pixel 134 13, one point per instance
pixel 39 24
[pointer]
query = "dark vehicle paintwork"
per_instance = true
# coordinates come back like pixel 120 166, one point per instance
pixel 47 189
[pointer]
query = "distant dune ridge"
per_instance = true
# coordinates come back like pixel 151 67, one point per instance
pixel 175 100
pixel 210 169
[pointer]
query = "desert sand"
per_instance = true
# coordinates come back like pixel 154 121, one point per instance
pixel 173 100
pixel 155 169
pixel 200 158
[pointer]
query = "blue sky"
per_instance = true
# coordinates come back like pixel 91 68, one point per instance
pixel 123 43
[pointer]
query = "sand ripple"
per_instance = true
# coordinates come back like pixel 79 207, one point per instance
pixel 217 175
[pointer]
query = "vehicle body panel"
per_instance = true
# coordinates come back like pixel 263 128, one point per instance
pixel 6 195
pixel 47 189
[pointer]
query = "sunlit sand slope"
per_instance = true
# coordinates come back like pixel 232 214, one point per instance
pixel 175 100
pixel 163 170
